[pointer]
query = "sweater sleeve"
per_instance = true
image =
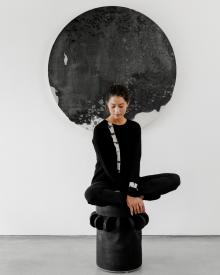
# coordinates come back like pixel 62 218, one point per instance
pixel 133 189
pixel 103 156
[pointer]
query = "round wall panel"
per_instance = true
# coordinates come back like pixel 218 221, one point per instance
pixel 111 45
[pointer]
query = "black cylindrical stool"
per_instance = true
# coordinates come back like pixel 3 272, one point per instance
pixel 120 249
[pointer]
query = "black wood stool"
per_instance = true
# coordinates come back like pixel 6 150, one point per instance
pixel 118 238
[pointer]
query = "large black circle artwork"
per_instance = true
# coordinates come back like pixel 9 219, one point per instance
pixel 111 45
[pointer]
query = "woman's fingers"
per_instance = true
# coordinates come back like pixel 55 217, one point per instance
pixel 131 210
pixel 136 207
pixel 142 207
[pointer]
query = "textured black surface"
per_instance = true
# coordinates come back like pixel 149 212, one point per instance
pixel 110 45
pixel 120 249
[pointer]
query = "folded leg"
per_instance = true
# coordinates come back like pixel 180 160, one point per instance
pixel 102 194
pixel 153 186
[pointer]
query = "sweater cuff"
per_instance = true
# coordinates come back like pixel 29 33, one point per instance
pixel 133 189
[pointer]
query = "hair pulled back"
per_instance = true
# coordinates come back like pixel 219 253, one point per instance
pixel 117 90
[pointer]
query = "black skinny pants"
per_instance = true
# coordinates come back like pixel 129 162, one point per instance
pixel 153 186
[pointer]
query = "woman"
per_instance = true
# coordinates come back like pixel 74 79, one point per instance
pixel 117 142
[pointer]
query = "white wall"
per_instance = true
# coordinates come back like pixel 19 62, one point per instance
pixel 47 162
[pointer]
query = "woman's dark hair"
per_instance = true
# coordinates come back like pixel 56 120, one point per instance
pixel 117 90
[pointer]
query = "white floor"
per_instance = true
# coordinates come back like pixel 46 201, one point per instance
pixel 70 255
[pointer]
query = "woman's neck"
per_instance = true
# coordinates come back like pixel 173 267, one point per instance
pixel 120 121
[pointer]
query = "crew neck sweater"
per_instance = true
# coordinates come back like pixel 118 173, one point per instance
pixel 118 152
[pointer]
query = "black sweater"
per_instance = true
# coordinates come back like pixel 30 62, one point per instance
pixel 129 139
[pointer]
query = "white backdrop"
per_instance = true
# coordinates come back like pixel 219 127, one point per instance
pixel 47 161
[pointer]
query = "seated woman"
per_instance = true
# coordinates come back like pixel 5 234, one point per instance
pixel 117 143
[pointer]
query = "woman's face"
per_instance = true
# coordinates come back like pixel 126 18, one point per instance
pixel 117 106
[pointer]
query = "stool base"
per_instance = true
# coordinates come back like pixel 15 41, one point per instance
pixel 121 271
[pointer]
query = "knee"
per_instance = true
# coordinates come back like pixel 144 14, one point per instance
pixel 176 179
pixel 89 194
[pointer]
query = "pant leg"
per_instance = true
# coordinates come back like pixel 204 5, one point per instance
pixel 153 186
pixel 102 194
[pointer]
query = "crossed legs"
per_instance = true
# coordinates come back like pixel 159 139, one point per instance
pixel 151 187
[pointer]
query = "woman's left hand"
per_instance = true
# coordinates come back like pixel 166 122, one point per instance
pixel 135 204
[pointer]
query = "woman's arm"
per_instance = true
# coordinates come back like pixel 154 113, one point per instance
pixel 135 165
pixel 104 156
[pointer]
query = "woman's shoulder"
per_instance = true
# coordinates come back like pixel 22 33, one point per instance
pixel 100 127
pixel 134 124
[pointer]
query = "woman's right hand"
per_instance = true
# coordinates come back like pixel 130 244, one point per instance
pixel 136 204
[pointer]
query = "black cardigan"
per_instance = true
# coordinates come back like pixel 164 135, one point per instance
pixel 129 139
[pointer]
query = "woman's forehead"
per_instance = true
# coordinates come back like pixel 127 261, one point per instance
pixel 117 100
